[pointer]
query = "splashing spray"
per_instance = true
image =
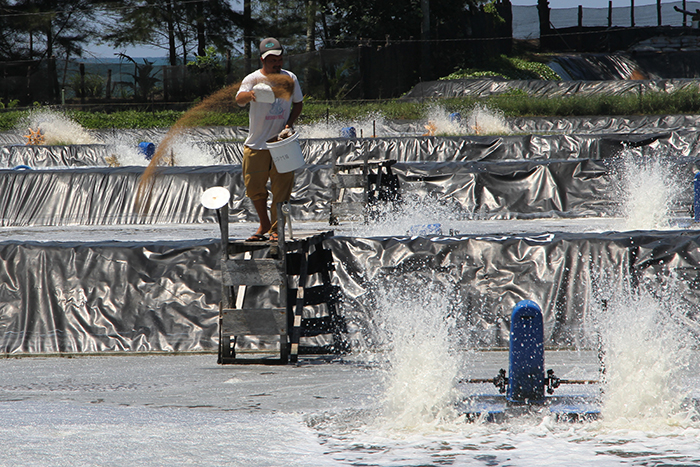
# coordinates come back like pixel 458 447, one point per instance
pixel 648 189
pixel 646 349
pixel 414 323
pixel 58 129
pixel 483 120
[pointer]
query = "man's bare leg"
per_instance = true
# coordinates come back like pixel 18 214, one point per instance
pixel 261 208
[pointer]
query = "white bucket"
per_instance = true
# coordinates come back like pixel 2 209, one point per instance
pixel 264 93
pixel 286 154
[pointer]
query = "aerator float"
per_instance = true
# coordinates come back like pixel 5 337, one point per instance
pixel 523 390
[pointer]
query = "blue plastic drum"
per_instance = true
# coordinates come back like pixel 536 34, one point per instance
pixel 348 132
pixel 147 149
pixel 526 370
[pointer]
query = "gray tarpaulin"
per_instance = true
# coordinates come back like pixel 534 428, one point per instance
pixel 541 88
pixel 101 195
pixel 136 136
pixel 679 143
pixel 89 297
pixel 164 296
pixel 113 296
pixel 476 178
pixel 606 124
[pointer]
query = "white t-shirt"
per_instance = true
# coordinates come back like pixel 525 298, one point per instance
pixel 267 120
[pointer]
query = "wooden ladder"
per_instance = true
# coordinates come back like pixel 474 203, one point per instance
pixel 295 274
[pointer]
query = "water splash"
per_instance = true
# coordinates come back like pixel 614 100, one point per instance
pixel 184 152
pixel 483 120
pixel 648 188
pixel 479 120
pixel 373 124
pixel 57 128
pixel 647 348
pixel 440 122
pixel 414 210
pixel 414 323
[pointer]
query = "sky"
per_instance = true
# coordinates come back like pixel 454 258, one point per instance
pixel 589 3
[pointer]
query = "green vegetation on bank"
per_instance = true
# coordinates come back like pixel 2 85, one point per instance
pixel 513 104
pixel 530 67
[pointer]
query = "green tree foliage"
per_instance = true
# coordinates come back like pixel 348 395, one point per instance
pixel 283 19
pixel 37 29
pixel 348 21
pixel 144 80
pixel 180 28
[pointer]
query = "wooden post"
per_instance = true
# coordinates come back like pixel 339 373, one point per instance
pixel 543 13
pixel 685 17
pixel 165 83
pixel 610 14
pixel 632 12
pixel 247 36
pixel 29 84
pixel 658 11
pixel 82 83
pixel 579 36
pixel 580 16
pixel 426 68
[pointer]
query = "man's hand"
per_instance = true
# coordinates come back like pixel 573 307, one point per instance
pixel 243 98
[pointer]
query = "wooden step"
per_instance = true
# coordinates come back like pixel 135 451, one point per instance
pixel 258 271
pixel 253 321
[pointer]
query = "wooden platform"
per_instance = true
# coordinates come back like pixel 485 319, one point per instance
pixel 278 289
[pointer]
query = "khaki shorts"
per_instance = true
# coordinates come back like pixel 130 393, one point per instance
pixel 257 169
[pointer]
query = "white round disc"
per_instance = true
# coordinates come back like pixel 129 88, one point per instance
pixel 215 197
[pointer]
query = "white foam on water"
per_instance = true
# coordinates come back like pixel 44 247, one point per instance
pixel 440 122
pixel 57 128
pixel 415 320
pixel 185 152
pixel 479 120
pixel 125 150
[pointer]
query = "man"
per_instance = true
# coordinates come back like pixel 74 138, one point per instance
pixel 266 121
